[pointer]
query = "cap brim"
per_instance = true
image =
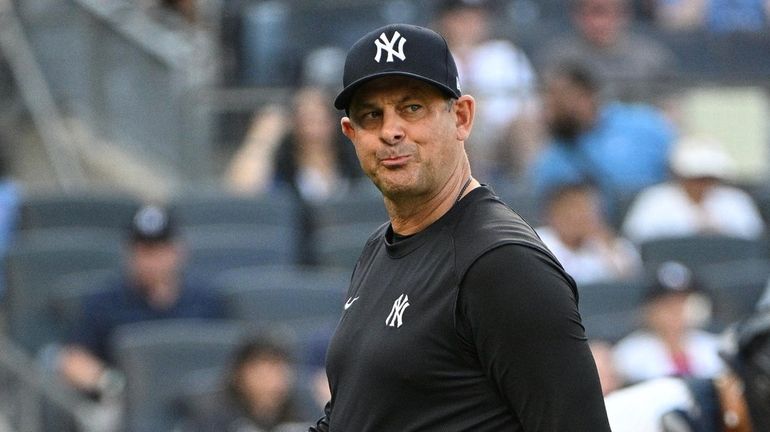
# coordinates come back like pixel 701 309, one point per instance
pixel 343 99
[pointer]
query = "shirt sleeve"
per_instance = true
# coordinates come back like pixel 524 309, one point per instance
pixel 322 425
pixel 517 309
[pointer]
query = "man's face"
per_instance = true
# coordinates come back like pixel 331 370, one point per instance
pixel 568 108
pixel 601 21
pixel 407 135
pixel 154 263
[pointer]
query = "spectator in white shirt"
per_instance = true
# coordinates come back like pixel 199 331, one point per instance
pixel 669 344
pixel 580 237
pixel 697 201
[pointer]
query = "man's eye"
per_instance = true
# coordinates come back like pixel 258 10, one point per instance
pixel 414 108
pixel 370 115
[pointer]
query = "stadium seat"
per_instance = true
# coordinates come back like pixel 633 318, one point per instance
pixel 340 245
pixel 696 251
pixel 218 207
pixel 94 210
pixel 610 310
pixel 283 294
pixel 33 265
pixel 157 357
pixel 215 248
pixel 362 204
pixel 734 288
pixel 521 199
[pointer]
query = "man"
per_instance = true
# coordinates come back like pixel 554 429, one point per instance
pixel 621 148
pixel 631 64
pixel 153 288
pixel 698 200
pixel 501 78
pixel 736 400
pixel 579 235
pixel 458 318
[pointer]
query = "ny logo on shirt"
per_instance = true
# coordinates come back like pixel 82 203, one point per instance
pixel 395 319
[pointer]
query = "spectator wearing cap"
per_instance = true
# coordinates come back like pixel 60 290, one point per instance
pixel 698 200
pixel 669 343
pixel 736 400
pixel 151 287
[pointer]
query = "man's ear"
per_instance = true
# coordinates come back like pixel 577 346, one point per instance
pixel 465 111
pixel 347 127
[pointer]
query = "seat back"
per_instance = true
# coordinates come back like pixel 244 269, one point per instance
pixel 734 288
pixel 157 357
pixel 215 248
pixel 34 264
pixel 610 310
pixel 95 210
pixel 283 294
pixel 695 251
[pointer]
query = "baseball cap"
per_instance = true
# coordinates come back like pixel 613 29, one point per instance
pixel 670 277
pixel 699 157
pixel 152 224
pixel 399 49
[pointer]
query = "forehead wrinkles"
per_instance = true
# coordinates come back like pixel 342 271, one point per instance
pixel 393 90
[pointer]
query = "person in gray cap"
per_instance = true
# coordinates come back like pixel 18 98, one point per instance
pixel 457 317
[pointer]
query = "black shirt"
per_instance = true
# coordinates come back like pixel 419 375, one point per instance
pixel 469 325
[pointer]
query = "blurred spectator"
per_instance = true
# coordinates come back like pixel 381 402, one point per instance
pixel 619 147
pixel 697 200
pixel 10 204
pixel 181 10
pixel 152 288
pixel 258 396
pixel 605 365
pixel 717 16
pixel 603 40
pixel 669 344
pixel 736 400
pixel 303 151
pixel 578 234
pixel 497 73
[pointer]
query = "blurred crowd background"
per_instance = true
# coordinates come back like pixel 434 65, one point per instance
pixel 180 214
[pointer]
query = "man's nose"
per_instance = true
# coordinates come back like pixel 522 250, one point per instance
pixel 392 131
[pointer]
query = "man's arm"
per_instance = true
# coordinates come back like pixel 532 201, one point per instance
pixel 520 313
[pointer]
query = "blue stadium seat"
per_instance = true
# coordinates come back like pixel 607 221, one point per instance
pixel 734 288
pixel 92 209
pixel 158 356
pixel 33 266
pixel 610 310
pixel 283 294
pixel 696 251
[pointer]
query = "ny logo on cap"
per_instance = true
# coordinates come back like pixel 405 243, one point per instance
pixel 388 45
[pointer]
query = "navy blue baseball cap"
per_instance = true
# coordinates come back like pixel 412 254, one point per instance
pixel 399 49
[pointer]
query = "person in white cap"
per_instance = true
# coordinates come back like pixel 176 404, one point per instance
pixel 698 200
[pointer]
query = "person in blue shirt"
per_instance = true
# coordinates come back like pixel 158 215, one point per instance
pixel 619 147
pixel 151 288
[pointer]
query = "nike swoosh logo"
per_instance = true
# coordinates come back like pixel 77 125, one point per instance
pixel 350 302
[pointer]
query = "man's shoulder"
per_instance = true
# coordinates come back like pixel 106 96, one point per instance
pixel 487 222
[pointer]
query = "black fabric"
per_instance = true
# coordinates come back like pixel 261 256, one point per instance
pixel 488 337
